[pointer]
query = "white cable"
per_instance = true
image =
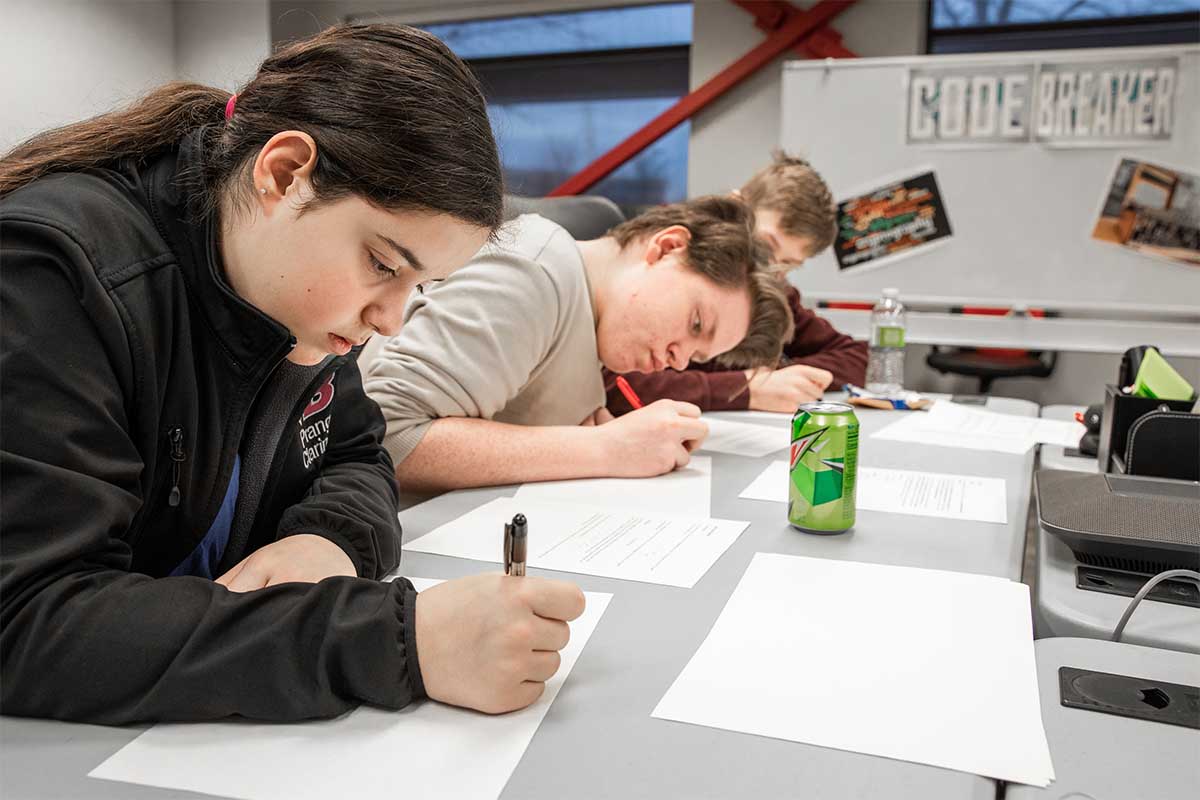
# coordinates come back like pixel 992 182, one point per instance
pixel 1145 590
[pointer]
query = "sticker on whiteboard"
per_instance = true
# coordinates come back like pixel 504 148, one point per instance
pixel 899 218
pixel 1152 210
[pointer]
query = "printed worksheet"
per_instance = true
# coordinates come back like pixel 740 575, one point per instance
pixel 903 491
pixel 687 488
pixel 670 549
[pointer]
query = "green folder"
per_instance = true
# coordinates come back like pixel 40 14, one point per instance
pixel 1159 380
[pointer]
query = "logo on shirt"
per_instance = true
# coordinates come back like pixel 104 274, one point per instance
pixel 320 401
pixel 314 434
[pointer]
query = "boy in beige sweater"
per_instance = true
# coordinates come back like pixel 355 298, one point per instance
pixel 496 375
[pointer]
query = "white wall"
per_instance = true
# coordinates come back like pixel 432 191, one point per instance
pixel 734 136
pixel 221 42
pixel 64 60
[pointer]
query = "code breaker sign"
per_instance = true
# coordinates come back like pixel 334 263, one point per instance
pixel 1082 104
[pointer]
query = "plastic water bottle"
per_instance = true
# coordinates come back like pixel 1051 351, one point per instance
pixel 885 366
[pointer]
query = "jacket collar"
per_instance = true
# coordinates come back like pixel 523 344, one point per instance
pixel 253 341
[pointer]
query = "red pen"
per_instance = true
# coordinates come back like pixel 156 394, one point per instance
pixel 629 393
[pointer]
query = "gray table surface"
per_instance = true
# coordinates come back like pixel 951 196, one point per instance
pixel 598 738
pixel 609 692
pixel 1054 456
pixel 1104 757
pixel 1061 609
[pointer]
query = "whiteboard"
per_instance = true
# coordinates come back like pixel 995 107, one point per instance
pixel 1021 214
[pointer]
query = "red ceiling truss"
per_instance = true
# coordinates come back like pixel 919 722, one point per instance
pixel 806 33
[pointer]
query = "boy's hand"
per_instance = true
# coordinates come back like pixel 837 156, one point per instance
pixel 653 440
pixel 302 558
pixel 784 389
pixel 490 642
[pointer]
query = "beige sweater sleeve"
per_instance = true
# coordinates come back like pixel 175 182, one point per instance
pixel 467 347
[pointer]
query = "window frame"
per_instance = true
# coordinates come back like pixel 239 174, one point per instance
pixel 649 72
pixel 1133 31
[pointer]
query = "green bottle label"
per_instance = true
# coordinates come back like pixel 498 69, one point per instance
pixel 889 337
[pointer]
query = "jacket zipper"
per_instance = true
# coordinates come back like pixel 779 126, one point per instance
pixel 175 435
pixel 281 447
pixel 233 546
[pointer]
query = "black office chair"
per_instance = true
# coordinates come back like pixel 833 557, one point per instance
pixel 584 216
pixel 988 364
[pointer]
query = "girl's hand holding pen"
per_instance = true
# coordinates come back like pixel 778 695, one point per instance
pixel 490 642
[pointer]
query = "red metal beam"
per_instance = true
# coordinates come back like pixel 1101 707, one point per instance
pixel 801 25
pixel 825 43
pixel 771 15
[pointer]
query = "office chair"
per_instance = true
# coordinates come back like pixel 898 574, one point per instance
pixel 583 216
pixel 990 363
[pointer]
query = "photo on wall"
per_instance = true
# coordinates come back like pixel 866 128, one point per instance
pixel 900 218
pixel 1153 210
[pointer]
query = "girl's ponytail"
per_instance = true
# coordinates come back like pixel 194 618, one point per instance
pixel 139 131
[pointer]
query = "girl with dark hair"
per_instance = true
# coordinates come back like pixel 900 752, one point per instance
pixel 197 505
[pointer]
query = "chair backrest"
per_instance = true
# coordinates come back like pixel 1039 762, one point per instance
pixel 583 216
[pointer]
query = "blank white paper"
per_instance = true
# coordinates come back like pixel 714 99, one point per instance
pixel 743 438
pixel 902 491
pixel 428 751
pixel 920 665
pixel 949 424
pixel 611 542
pixel 688 488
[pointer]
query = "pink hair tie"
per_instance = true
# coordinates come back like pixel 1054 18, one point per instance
pixel 229 106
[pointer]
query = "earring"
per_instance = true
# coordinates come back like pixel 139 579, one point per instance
pixel 262 190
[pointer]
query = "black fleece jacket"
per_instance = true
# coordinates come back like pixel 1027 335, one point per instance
pixel 127 369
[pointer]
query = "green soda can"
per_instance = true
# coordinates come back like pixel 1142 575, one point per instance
pixel 824 464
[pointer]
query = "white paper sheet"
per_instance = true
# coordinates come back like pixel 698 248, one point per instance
pixel 902 491
pixel 426 752
pixel 920 665
pixel 689 488
pixel 743 438
pixel 593 540
pixel 954 425
pixel 771 484
pixel 761 417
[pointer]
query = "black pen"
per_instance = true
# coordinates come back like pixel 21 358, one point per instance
pixel 516 534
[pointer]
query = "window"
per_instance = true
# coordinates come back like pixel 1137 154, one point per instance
pixel 565 88
pixel 965 26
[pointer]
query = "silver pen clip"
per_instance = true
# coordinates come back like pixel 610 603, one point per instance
pixel 508 548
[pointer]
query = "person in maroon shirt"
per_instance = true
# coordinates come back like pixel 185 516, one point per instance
pixel 796 216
